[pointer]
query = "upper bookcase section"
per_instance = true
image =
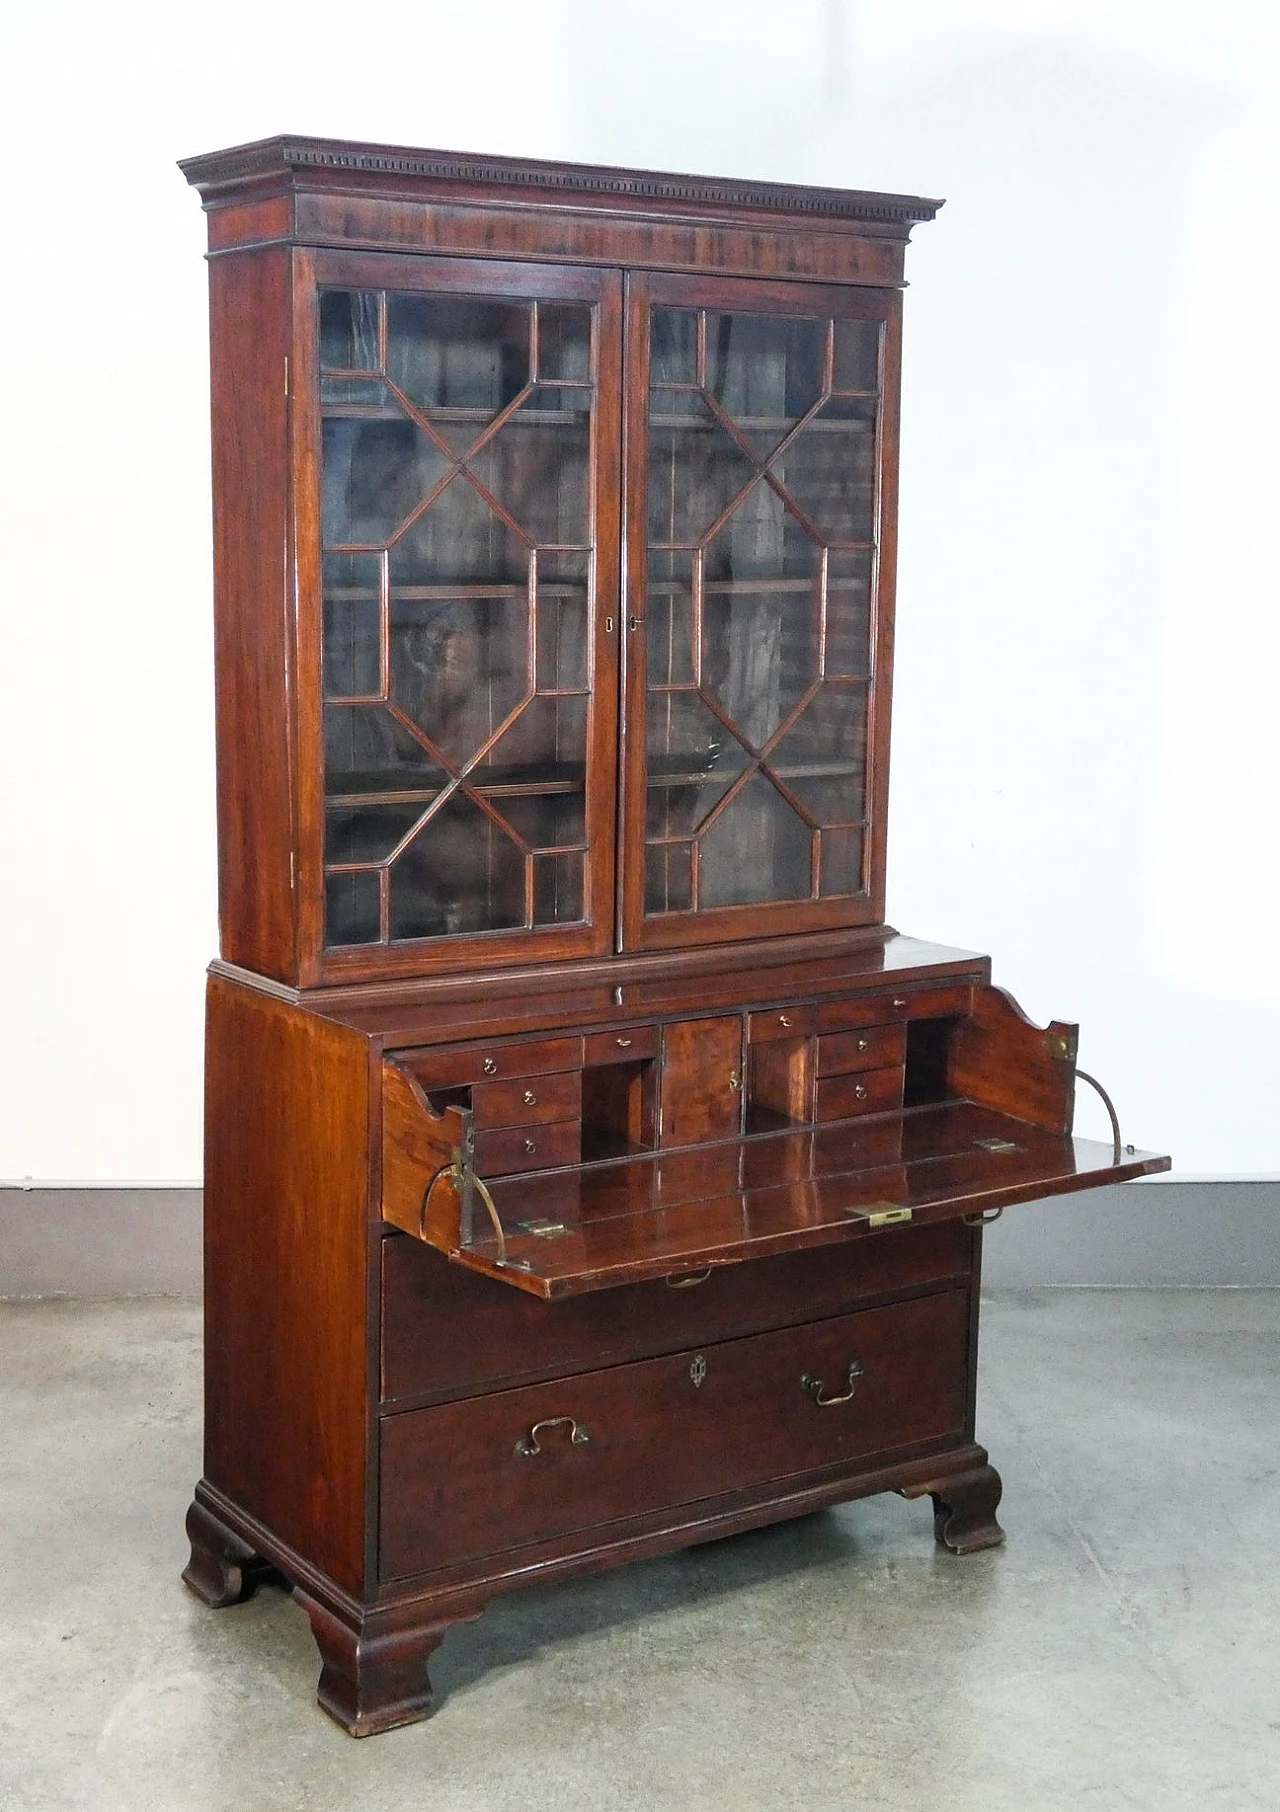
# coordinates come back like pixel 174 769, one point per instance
pixel 553 557
pixel 331 192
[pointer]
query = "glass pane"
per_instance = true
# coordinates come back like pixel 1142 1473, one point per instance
pixel 564 342
pixel 668 877
pixel 352 913
pixel 829 472
pixel 460 359
pixel 669 620
pixel 695 472
pixel 557 890
pixel 562 622
pixel 349 330
pixel 461 873
pixel 841 863
pixel 756 848
pixel 822 757
pixel 352 625
pixel 547 741
pixel 542 820
pixel 673 346
pixel 378 467
pixel 765 371
pixel 476 680
pixel 692 761
pixel 857 355
pixel 536 466
pixel 761 523
pixel 848 637
pixel 367 751
pixel 368 833
pixel 459 667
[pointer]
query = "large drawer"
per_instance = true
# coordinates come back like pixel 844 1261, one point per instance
pixel 493 1473
pixel 447 1331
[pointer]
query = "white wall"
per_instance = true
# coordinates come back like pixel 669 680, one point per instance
pixel 1085 777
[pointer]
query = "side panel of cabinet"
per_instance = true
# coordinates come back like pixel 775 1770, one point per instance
pixel 701 1080
pixel 286 1297
pixel 456 442
pixel 249 309
pixel 761 432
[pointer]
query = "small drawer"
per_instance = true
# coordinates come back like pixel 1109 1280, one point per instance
pixel 782 1022
pixel 865 1010
pixel 513 1148
pixel 493 1473
pixel 869 1048
pixel 456 1064
pixel 528 1101
pixel 871 1092
pixel 629 1045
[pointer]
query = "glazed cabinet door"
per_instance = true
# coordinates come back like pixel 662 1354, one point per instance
pixel 761 434
pixel 457 429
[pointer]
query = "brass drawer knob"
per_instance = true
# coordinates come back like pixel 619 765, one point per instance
pixel 527 1447
pixel 622 1043
pixel 531 1145
pixel 864 1044
pixel 530 1099
pixel 814 1387
pixel 860 1091
pixel 490 1066
pixel 784 1019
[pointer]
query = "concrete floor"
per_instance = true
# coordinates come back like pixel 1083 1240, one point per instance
pixel 1122 1651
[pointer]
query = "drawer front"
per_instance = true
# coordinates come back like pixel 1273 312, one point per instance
pixel 870 1048
pixel 456 1065
pixel 871 1092
pixel 446 1331
pixel 515 1148
pixel 493 1473
pixel 632 1044
pixel 528 1101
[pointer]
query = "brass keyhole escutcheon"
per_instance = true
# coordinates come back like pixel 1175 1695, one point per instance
pixel 697 1370
pixel 735 1082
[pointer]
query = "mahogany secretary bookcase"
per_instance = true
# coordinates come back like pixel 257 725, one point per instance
pixel 590 1170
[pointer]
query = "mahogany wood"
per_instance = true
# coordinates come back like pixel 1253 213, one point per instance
pixel 875 1047
pixel 447 1332
pixel 862 1092
pixel 701 1080
pixel 286 1298
pixel 641 1162
pixel 462 1480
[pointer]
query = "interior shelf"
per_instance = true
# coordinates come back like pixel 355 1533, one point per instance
pixel 515 782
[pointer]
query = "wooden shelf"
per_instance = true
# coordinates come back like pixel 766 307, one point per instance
pixel 495 783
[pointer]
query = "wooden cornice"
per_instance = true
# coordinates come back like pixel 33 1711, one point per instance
pixel 221 173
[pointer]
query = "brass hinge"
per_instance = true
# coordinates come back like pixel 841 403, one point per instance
pixel 883 1214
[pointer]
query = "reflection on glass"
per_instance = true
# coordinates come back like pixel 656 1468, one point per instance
pixel 455 518
pixel 757 832
pixel 761 518
pixel 352 625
